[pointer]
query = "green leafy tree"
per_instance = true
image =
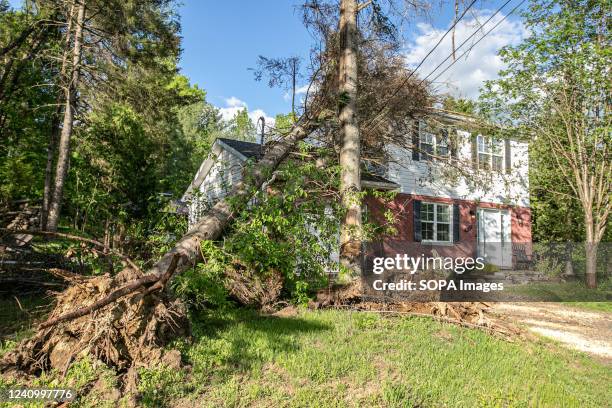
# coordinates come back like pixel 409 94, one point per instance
pixel 556 93
pixel 241 127
pixel 459 105
pixel 142 129
pixel 284 123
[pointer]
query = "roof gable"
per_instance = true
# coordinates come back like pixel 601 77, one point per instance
pixel 249 150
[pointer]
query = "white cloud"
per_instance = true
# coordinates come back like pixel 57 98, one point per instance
pixel 481 63
pixel 235 105
pixel 302 89
pixel 299 91
pixel 235 102
pixel 257 113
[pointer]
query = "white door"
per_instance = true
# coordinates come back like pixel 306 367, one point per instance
pixel 494 242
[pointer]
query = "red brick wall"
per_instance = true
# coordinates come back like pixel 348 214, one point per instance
pixel 403 241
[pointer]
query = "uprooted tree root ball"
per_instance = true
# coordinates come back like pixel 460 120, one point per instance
pixel 127 332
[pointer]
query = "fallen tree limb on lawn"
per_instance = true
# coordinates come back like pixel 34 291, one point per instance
pixel 465 314
pixel 111 319
pixel 72 237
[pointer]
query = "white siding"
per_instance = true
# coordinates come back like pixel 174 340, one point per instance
pixel 436 179
pixel 222 176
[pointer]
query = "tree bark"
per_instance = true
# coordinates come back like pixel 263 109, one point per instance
pixel 55 130
pixel 350 142
pixel 17 42
pixel 293 80
pixel 48 189
pixel 590 247
pixel 64 143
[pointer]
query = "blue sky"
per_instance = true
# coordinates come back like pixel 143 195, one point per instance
pixel 222 39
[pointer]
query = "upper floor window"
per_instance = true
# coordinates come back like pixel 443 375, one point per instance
pixel 436 222
pixel 490 153
pixel 432 145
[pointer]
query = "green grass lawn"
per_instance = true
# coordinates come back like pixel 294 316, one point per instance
pixel 340 358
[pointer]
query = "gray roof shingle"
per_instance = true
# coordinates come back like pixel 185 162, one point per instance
pixel 253 151
pixel 249 149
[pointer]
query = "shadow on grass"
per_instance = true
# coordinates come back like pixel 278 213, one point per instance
pixel 19 314
pixel 245 337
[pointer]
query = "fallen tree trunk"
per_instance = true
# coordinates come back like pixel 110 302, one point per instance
pixel 125 320
pixel 212 224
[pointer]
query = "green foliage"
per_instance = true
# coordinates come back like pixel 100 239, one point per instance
pixel 204 284
pixel 549 266
pixel 158 385
pixel 201 123
pixel 291 229
pixel 241 127
pixel 25 111
pixel 141 129
pixel 554 91
pixel 284 123
pixel 459 105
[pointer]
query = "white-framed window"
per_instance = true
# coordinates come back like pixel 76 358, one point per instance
pixel 436 222
pixel 432 144
pixel 490 153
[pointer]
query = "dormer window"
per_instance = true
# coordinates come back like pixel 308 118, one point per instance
pixel 490 153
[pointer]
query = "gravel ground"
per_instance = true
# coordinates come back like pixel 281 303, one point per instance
pixel 587 331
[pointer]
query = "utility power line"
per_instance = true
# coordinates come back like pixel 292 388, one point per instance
pixel 479 40
pixel 405 81
pixel 440 40
pixel 465 41
pixel 377 116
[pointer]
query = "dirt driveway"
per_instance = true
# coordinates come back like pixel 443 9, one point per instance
pixel 583 330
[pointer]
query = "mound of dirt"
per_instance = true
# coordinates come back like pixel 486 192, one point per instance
pixel 126 332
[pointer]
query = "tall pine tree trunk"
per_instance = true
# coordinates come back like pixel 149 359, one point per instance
pixel 48 189
pixel 350 143
pixel 55 129
pixel 64 143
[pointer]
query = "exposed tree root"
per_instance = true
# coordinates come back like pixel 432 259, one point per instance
pixel 125 320
pixel 128 331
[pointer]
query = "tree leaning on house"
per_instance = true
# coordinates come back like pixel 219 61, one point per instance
pixel 386 75
pixel 556 91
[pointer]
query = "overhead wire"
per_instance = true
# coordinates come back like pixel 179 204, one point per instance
pixel 466 40
pixel 479 40
pixel 378 115
pixel 405 81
